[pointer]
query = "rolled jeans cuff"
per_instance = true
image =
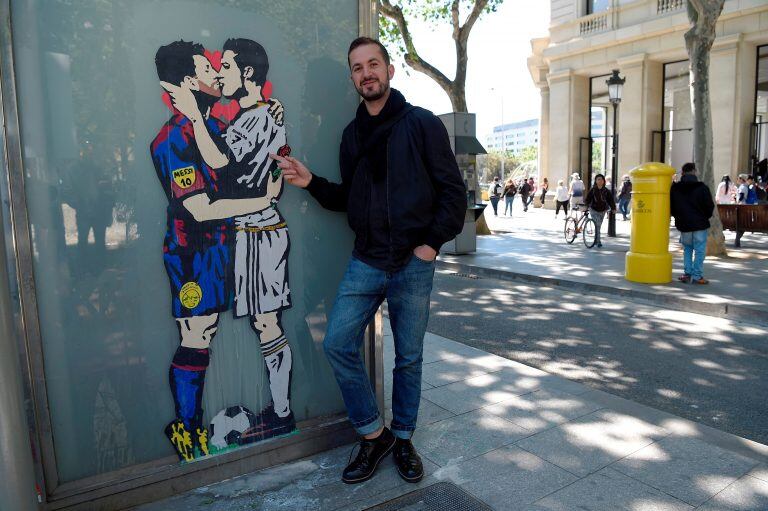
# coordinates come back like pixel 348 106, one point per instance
pixel 403 432
pixel 368 427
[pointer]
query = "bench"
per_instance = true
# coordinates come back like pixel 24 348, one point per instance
pixel 743 218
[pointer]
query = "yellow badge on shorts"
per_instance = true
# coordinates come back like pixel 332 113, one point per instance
pixel 184 177
pixel 190 295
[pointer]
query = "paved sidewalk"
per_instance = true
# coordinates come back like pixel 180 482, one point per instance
pixel 530 246
pixel 520 439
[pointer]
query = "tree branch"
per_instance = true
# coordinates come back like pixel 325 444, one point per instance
pixel 412 57
pixel 455 20
pixel 477 10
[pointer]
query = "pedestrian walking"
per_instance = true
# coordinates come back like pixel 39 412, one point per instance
pixel 494 194
pixel 526 192
pixel 399 229
pixel 725 191
pixel 752 194
pixel 509 195
pixel 544 190
pixel 691 205
pixel 742 190
pixel 576 190
pixel 599 200
pixel 561 198
pixel 625 197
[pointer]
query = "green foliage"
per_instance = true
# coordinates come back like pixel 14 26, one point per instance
pixel 530 153
pixel 490 164
pixel 433 12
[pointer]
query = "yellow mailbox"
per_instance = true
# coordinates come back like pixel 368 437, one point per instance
pixel 648 260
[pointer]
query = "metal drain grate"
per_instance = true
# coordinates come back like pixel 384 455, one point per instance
pixel 464 275
pixel 437 497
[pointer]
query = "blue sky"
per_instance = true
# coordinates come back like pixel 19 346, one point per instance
pixel 499 46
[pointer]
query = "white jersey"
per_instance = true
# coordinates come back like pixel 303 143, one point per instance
pixel 251 137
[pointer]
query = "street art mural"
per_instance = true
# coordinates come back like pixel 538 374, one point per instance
pixel 226 245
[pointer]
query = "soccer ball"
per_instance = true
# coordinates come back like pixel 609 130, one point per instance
pixel 229 424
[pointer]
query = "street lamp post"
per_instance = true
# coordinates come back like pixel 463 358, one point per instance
pixel 615 84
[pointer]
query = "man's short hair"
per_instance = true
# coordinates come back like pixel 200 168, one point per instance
pixel 362 41
pixel 688 168
pixel 751 177
pixel 174 61
pixel 249 53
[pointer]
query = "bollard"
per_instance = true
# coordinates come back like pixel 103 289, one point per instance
pixel 648 260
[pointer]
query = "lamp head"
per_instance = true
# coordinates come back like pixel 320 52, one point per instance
pixel 615 85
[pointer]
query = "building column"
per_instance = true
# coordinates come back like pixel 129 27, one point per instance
pixel 640 111
pixel 731 89
pixel 569 120
pixel 544 133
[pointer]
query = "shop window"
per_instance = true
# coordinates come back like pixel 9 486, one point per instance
pixel 759 137
pixel 677 123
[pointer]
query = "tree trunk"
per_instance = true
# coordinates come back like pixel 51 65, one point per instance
pixel 698 41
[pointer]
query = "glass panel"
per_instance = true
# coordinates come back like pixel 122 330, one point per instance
pixel 677 97
pixel 90 105
pixel 595 6
pixel 760 150
pixel 601 128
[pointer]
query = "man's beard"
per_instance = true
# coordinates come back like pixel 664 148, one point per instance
pixel 373 96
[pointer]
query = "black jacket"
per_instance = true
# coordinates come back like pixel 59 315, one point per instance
pixel 427 197
pixel 691 204
pixel 600 199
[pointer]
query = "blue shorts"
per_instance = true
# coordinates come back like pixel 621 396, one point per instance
pixel 201 281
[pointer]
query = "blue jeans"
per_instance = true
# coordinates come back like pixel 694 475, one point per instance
pixel 495 204
pixel 361 291
pixel 508 200
pixel 624 207
pixel 694 249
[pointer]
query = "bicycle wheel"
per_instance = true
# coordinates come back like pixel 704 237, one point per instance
pixel 590 233
pixel 570 230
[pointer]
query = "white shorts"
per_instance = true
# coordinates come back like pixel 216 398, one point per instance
pixel 261 270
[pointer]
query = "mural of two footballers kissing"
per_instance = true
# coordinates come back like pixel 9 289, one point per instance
pixel 226 244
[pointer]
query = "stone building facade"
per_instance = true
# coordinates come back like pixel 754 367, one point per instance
pixel 644 40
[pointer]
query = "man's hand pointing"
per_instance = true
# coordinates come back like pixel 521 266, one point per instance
pixel 294 172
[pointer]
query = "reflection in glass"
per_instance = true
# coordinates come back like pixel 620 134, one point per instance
pixel 760 129
pixel 595 6
pixel 90 105
pixel 601 125
pixel 677 115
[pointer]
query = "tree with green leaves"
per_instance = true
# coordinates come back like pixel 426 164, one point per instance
pixel 394 31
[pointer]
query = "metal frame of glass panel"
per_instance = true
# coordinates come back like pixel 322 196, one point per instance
pixel 148 481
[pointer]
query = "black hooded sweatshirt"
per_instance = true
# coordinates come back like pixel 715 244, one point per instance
pixel 691 204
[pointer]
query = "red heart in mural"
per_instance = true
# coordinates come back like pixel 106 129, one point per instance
pixel 266 90
pixel 225 112
pixel 214 58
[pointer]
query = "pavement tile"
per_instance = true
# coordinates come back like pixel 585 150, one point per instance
pixel 452 370
pixel 306 494
pixel 686 468
pixel 746 494
pixel 609 490
pixel 760 472
pixel 508 478
pixel 465 436
pixel 543 409
pixel 474 393
pixel 591 442
pixel 429 412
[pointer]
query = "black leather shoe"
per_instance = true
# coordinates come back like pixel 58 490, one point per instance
pixel 368 457
pixel 408 461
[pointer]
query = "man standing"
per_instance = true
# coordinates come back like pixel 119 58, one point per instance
pixel 691 204
pixel 526 193
pixel 494 194
pixel 404 198
pixel 196 246
pixel 261 289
